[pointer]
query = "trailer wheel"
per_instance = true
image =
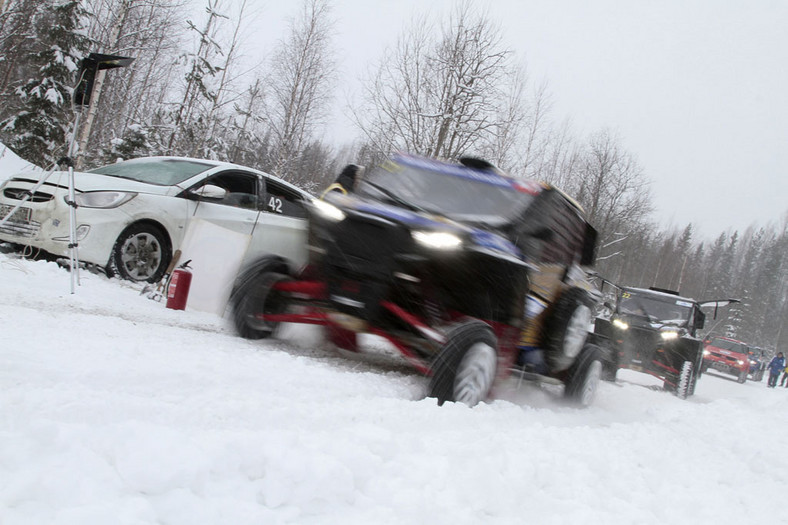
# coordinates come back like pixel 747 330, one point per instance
pixel 582 380
pixel 465 367
pixel 255 296
pixel 686 384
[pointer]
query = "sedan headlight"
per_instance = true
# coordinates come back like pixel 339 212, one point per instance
pixel 103 199
pixel 669 334
pixel 621 325
pixel 328 211
pixel 437 240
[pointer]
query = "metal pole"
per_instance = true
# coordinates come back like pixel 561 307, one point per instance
pixel 72 209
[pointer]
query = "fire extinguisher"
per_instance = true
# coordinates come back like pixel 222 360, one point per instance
pixel 178 289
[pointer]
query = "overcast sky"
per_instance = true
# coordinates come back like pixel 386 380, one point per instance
pixel 696 90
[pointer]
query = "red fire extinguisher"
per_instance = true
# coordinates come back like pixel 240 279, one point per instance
pixel 178 289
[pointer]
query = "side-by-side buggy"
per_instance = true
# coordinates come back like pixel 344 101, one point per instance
pixel 469 273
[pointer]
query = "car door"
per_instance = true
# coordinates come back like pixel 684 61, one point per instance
pixel 282 224
pixel 237 209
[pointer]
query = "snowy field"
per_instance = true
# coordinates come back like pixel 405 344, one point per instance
pixel 116 410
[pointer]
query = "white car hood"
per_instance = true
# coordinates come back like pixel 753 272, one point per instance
pixel 96 182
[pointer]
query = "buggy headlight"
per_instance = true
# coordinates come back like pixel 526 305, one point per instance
pixel 437 240
pixel 103 199
pixel 621 325
pixel 669 334
pixel 328 211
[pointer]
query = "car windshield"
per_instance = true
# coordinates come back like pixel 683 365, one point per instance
pixel 164 172
pixel 733 346
pixel 457 192
pixel 655 309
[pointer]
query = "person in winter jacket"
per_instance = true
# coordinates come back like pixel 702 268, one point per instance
pixel 776 365
pixel 784 379
pixel 346 182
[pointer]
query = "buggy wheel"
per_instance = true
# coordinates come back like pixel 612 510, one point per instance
pixel 566 330
pixel 254 296
pixel 686 384
pixel 582 380
pixel 465 368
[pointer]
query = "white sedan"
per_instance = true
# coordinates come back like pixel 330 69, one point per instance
pixel 131 216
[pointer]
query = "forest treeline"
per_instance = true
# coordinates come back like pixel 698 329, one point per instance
pixel 449 86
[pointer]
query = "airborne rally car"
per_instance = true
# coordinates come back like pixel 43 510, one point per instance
pixel 469 273
pixel 654 331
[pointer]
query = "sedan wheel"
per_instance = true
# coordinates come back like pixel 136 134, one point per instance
pixel 141 253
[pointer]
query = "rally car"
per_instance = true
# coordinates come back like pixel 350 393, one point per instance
pixel 468 272
pixel 655 331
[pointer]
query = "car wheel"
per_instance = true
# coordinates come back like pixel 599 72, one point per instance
pixel 141 253
pixel 567 328
pixel 685 385
pixel 255 297
pixel 582 379
pixel 742 377
pixel 465 367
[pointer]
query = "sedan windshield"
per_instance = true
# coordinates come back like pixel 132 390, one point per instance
pixel 455 191
pixel 673 311
pixel 164 172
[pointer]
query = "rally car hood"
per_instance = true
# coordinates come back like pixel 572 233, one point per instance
pixel 418 220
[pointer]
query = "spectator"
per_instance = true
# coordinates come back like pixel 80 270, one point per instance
pixel 784 379
pixel 776 365
pixel 346 181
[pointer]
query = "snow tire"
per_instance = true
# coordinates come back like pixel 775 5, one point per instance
pixel 465 368
pixel 255 295
pixel 566 330
pixel 582 379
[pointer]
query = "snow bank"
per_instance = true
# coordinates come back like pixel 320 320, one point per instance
pixel 118 410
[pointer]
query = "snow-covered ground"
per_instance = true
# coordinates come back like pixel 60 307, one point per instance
pixel 116 410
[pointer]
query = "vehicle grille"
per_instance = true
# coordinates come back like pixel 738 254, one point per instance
pixel 18 194
pixel 364 247
pixel 725 357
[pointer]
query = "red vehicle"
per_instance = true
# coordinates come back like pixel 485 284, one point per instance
pixel 727 355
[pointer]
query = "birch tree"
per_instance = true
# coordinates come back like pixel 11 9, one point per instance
pixel 299 83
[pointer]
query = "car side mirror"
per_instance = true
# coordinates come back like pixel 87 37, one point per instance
pixel 210 191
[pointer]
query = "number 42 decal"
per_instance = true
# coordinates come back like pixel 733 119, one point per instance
pixel 275 204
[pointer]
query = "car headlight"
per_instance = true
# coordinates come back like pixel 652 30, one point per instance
pixel 669 334
pixel 328 211
pixel 706 352
pixel 740 361
pixel 437 240
pixel 753 362
pixel 621 325
pixel 103 199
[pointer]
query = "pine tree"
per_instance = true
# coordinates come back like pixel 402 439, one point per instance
pixel 37 132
